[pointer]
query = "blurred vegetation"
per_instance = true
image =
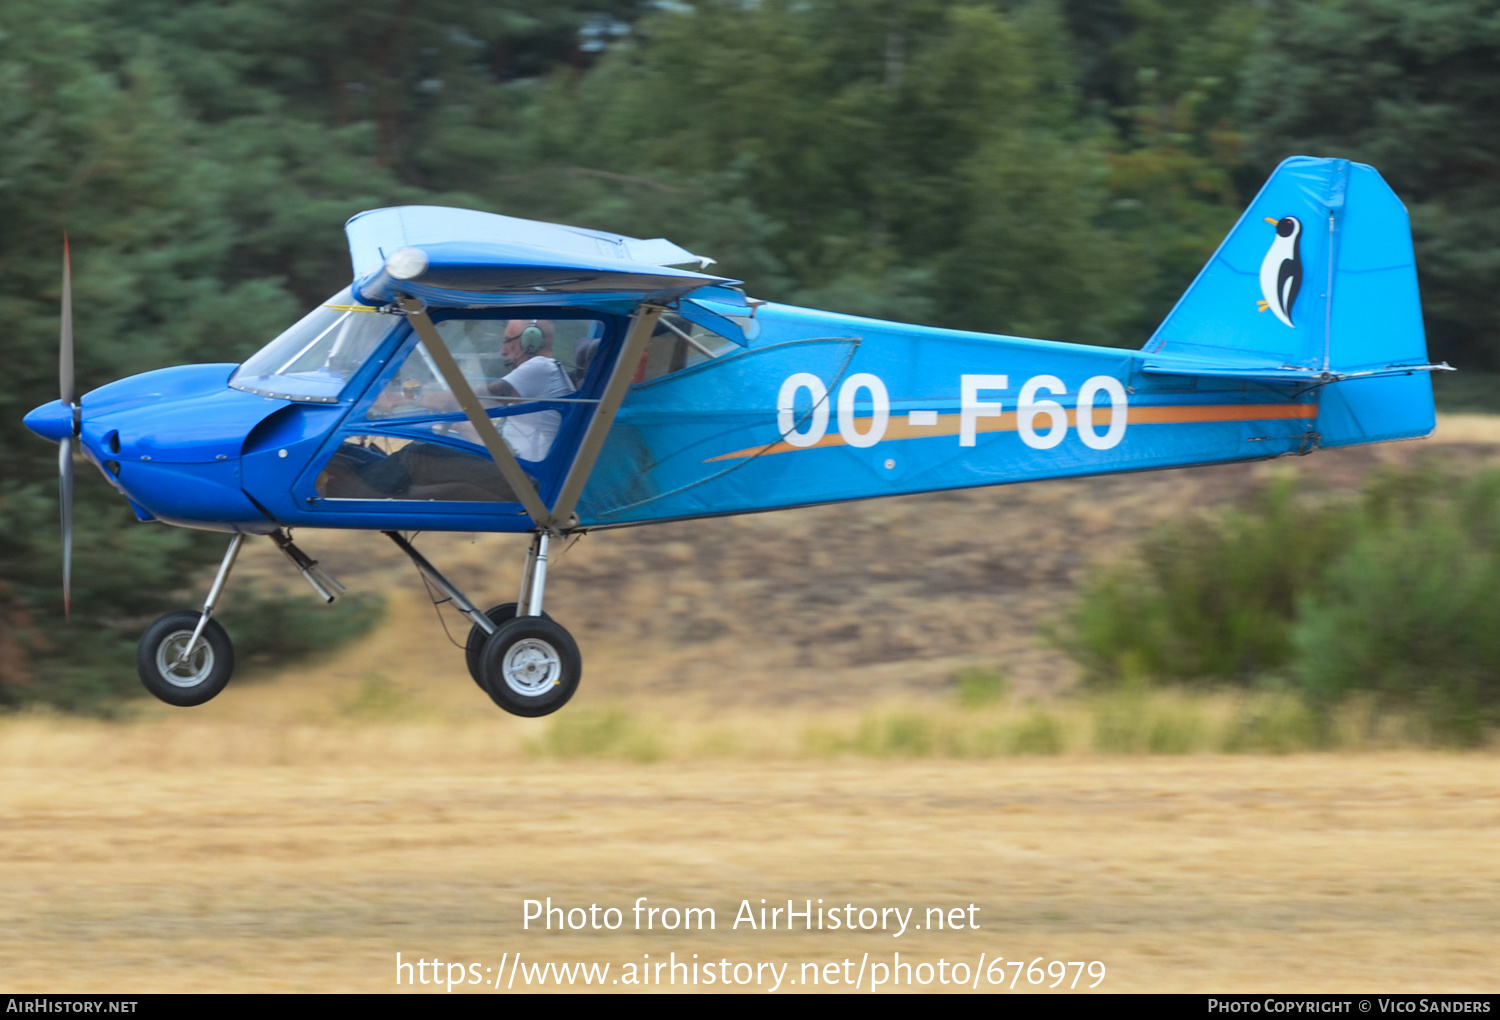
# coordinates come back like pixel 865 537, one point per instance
pixel 1128 720
pixel 1132 719
pixel 1045 167
pixel 978 687
pixel 1210 598
pixel 1388 599
pixel 586 733
pixel 1467 392
pixel 1139 719
pixel 381 699
pixel 273 631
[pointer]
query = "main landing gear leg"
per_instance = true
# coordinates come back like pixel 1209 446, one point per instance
pixel 534 576
pixel 185 658
pixel 525 662
pixel 530 666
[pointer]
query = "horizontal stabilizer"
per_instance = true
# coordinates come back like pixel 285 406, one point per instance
pixel 1284 376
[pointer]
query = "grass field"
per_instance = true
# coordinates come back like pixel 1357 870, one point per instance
pixel 233 858
pixel 771 709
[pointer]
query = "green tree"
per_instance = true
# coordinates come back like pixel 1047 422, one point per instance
pixel 104 151
pixel 1409 89
pixel 912 160
pixel 1165 75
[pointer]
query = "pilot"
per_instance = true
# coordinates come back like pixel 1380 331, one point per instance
pixel 534 375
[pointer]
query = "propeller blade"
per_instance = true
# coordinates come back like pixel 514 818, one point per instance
pixel 65 344
pixel 65 485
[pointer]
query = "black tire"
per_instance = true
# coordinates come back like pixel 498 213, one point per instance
pixel 202 677
pixel 531 666
pixel 474 648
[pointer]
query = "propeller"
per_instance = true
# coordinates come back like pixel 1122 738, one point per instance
pixel 65 448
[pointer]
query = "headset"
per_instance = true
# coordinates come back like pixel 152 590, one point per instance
pixel 532 338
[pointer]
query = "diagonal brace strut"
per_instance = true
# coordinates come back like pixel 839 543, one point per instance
pixel 444 585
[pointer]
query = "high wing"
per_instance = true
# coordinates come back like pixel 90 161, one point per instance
pixel 463 258
pixel 373 235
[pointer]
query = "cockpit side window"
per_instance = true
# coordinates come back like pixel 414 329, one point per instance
pixel 563 349
pixel 314 359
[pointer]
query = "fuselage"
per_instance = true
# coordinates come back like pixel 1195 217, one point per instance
pixel 735 406
pixel 814 407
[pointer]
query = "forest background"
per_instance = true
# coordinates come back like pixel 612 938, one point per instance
pixel 1052 169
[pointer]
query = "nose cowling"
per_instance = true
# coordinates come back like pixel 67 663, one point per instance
pixel 54 420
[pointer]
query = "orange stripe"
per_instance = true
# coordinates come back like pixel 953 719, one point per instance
pixel 948 424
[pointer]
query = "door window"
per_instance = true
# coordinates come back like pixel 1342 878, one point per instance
pixel 388 467
pixel 509 363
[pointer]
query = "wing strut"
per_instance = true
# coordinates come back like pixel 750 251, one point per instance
pixel 505 460
pixel 642 325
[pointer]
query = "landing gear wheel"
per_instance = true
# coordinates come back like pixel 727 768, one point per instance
pixel 474 649
pixel 530 666
pixel 193 681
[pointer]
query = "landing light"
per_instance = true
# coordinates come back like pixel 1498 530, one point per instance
pixel 406 263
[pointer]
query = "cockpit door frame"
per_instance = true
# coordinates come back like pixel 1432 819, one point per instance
pixel 484 425
pixel 560 517
pixel 572 470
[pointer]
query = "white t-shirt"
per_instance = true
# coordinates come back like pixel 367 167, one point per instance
pixel 531 435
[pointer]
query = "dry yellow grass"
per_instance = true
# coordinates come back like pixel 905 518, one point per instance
pixel 299 831
pixel 159 867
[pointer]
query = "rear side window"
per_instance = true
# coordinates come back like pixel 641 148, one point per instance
pixel 677 344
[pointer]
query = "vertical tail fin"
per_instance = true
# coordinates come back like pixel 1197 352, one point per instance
pixel 1316 282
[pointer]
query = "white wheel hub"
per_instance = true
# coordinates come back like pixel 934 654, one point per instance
pixel 186 673
pixel 531 667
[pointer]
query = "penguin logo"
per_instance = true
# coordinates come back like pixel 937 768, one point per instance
pixel 1281 271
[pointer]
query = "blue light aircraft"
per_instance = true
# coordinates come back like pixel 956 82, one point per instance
pixel 486 373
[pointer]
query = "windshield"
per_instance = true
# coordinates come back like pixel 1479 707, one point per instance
pixel 313 359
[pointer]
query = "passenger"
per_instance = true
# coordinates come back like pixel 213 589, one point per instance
pixel 583 356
